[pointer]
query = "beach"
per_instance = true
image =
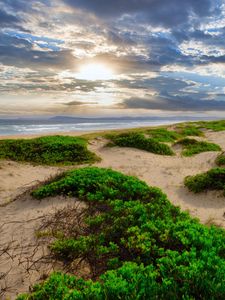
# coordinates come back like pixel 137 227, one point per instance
pixel 21 215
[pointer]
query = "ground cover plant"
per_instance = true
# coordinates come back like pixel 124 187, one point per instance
pixel 139 245
pixel 192 146
pixel 195 128
pixel 214 179
pixel 163 135
pixel 220 160
pixel 183 129
pixel 48 150
pixel 212 125
pixel 189 130
pixel 139 141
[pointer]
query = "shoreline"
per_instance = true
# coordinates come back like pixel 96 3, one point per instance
pixel 70 133
pixel 21 215
pixel 92 131
pixel 88 132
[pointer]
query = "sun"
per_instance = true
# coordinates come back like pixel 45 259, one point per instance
pixel 95 71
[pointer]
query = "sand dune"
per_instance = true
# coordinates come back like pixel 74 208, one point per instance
pixel 20 218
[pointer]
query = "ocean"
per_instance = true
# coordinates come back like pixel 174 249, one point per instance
pixel 59 124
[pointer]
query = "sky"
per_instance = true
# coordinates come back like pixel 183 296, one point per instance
pixel 114 57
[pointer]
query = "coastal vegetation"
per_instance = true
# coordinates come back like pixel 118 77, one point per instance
pixel 195 128
pixel 192 146
pixel 140 141
pixel 218 125
pixel 220 160
pixel 163 135
pixel 138 245
pixel 49 150
pixel 189 130
pixel 213 179
pixel 181 130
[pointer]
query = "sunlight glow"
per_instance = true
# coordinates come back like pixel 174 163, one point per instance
pixel 95 71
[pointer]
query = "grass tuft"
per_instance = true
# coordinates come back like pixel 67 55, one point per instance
pixel 214 179
pixel 163 135
pixel 220 160
pixel 192 146
pixel 212 125
pixel 139 141
pixel 189 130
pixel 49 150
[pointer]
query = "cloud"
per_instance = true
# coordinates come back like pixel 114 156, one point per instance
pixel 79 103
pixel 20 53
pixel 160 51
pixel 8 20
pixel 160 12
pixel 173 103
pixel 159 83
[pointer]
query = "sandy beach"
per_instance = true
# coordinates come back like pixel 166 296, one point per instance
pixel 21 215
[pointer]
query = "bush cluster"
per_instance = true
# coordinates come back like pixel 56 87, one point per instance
pixel 48 150
pixel 192 146
pixel 139 141
pixel 212 125
pixel 163 135
pixel 190 130
pixel 220 160
pixel 141 245
pixel 214 179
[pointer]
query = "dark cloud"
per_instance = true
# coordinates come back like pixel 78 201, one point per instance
pixel 159 83
pixel 7 19
pixel 119 39
pixel 10 21
pixel 172 94
pixel 20 53
pixel 157 12
pixel 79 103
pixel 214 38
pixel 168 102
pixel 208 59
pixel 47 82
pixel 24 5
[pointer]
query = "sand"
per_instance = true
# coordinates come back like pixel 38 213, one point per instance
pixel 20 216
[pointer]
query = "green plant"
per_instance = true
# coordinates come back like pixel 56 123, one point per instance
pixel 163 135
pixel 91 183
pixel 138 243
pixel 139 141
pixel 190 130
pixel 48 150
pixel 192 146
pixel 212 125
pixel 220 160
pixel 214 179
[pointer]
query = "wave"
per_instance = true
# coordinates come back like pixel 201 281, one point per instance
pixel 88 126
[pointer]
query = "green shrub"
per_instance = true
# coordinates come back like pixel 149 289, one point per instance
pixel 141 246
pixel 48 150
pixel 95 184
pixel 139 141
pixel 220 160
pixel 131 282
pixel 212 125
pixel 194 128
pixel 190 130
pixel 214 179
pixel 192 146
pixel 163 135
